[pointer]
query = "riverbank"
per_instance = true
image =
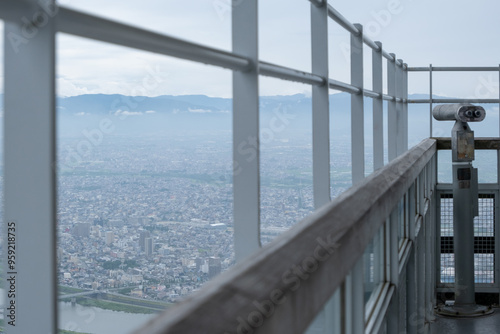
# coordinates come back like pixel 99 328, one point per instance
pixel 121 303
pixel 116 301
pixel 113 306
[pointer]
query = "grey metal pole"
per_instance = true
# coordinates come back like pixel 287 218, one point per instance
pixel 463 235
pixel 29 231
pixel 246 174
pixel 358 169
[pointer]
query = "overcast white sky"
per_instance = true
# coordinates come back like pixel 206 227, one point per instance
pixel 441 32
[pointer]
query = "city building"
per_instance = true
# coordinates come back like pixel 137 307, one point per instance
pixel 81 230
pixel 148 246
pixel 214 267
pixel 143 235
pixel 110 237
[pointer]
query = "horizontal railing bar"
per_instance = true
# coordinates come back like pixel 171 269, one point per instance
pixel 368 41
pixel 404 254
pixel 345 87
pixel 291 74
pixel 375 323
pixel 480 143
pixel 342 21
pixel 317 3
pixel 388 56
pixel 418 223
pixel 297 273
pixel 455 69
pixel 89 26
pixel 483 187
pixel 370 93
pixel 452 100
pixel 351 28
pixel 342 86
pixel 373 304
pixel 388 97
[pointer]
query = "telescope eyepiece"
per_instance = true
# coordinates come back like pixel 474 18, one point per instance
pixel 462 112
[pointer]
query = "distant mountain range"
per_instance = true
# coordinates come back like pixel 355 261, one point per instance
pixel 169 114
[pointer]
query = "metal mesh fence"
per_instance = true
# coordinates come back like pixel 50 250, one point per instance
pixel 484 240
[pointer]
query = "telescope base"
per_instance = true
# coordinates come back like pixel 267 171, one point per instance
pixel 464 311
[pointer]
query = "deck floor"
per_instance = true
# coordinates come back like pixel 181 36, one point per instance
pixel 489 324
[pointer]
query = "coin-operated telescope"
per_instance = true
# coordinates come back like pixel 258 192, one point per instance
pixel 459 112
pixel 465 204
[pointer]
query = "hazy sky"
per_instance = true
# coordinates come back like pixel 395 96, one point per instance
pixel 441 32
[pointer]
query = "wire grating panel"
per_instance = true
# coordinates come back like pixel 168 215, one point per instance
pixel 484 240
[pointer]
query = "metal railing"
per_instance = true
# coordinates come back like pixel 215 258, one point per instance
pixel 282 287
pixel 30 67
pixel 486 226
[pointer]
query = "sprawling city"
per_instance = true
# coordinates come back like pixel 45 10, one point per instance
pixel 156 215
pixel 146 219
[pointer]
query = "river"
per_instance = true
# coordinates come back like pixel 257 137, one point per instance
pixel 95 320
pixel 98 321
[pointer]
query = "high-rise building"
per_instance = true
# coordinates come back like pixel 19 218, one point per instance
pixel 142 236
pixel 199 262
pixel 148 246
pixel 214 267
pixel 110 238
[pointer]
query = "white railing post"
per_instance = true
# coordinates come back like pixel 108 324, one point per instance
pixel 328 321
pixel 320 106
pixel 392 123
pixel 405 106
pixel 246 177
pixel 30 174
pixel 393 274
pixel 378 106
pixel 358 169
pixel 411 281
pixel 399 109
pixel 430 101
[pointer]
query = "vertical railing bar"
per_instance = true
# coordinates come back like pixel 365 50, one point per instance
pixel 496 272
pixel 331 314
pixel 437 241
pixel 393 313
pixel 391 110
pixel 497 206
pixel 399 110
pixel 30 177
pixel 246 177
pixel 430 100
pixel 358 169
pixel 498 151
pixel 421 274
pixel 411 306
pixel 378 105
pixel 357 108
pixel 405 107
pixel 429 283
pixel 347 305
pixel 320 106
